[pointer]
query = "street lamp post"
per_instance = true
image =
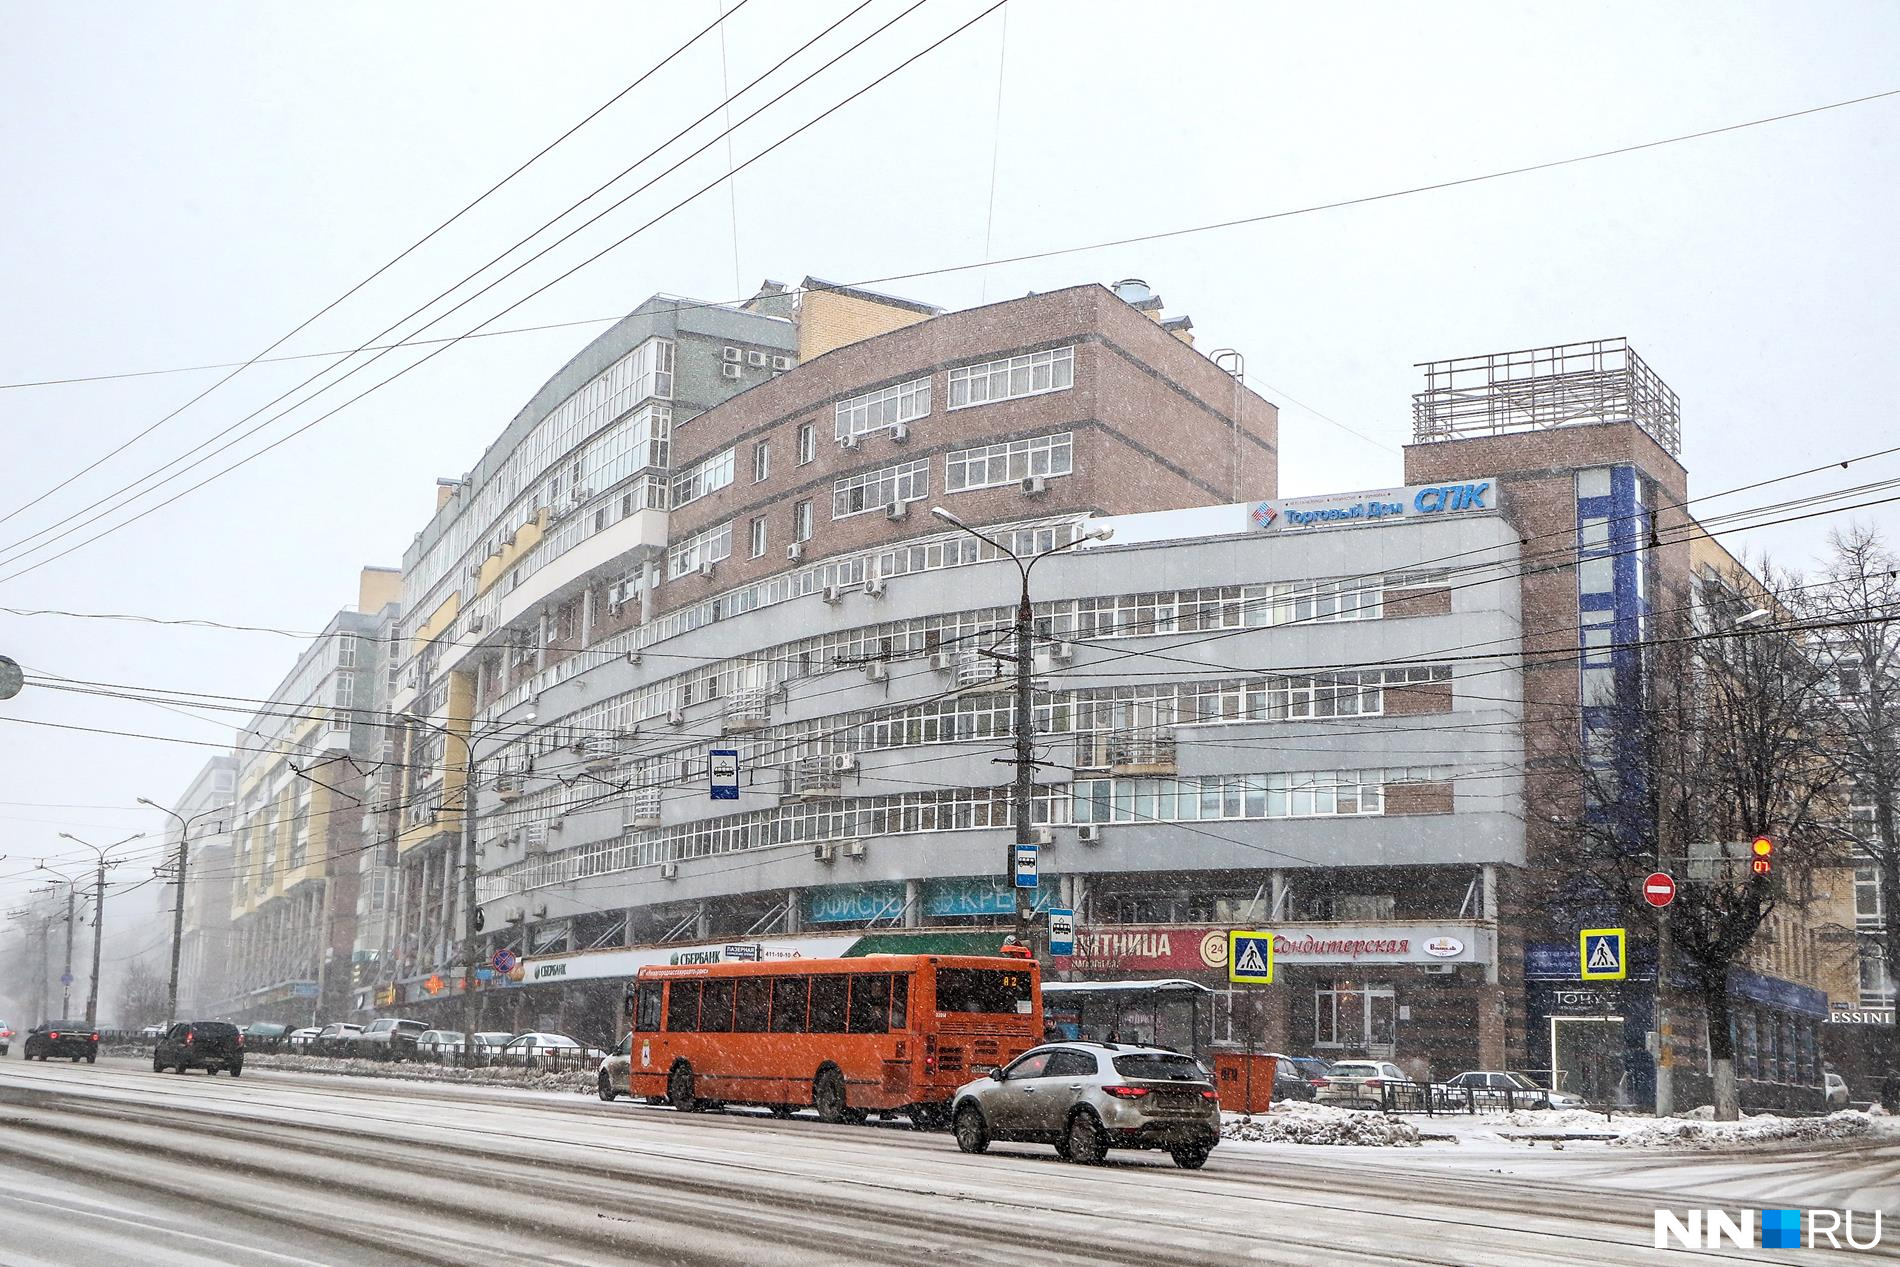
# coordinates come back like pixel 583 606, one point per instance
pixel 1024 791
pixel 178 906
pixel 66 976
pixel 99 917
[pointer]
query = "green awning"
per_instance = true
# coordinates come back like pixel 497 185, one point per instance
pixel 933 942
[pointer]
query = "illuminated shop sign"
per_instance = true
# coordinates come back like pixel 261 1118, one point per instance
pixel 1418 501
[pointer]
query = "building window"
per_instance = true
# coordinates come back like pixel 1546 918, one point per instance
pixel 801 521
pixel 758 537
pixel 651 371
pixel 761 461
pixel 346 653
pixel 992 465
pixel 1868 908
pixel 876 490
pixel 1012 376
pixel 1348 1014
pixel 708 475
pixel 709 546
pixel 886 407
pixel 807 442
pixel 1876 988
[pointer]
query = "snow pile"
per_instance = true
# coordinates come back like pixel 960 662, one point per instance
pixel 1294 1122
pixel 580 1081
pixel 1552 1119
pixel 1705 1136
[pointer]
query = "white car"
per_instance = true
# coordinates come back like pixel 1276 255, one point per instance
pixel 549 1051
pixel 1491 1089
pixel 1836 1089
pixel 301 1039
pixel 1357 1083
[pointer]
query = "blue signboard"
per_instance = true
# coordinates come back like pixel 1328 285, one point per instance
pixel 1061 931
pixel 854 903
pixel 1026 866
pixel 980 895
pixel 723 766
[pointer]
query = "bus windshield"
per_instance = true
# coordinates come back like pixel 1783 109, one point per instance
pixel 988 990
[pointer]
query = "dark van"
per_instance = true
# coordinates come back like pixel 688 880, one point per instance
pixel 207 1045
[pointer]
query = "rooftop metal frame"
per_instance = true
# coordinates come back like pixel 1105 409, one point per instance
pixel 1537 389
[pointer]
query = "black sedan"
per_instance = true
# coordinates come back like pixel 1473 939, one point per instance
pixel 74 1039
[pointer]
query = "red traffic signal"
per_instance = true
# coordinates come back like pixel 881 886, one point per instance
pixel 1764 850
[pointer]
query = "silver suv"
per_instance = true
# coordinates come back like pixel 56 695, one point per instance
pixel 1086 1098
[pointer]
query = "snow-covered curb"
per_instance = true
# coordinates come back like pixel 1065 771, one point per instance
pixel 579 1081
pixel 1295 1122
pixel 1750 1132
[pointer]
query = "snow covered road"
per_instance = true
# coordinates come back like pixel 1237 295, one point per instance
pixel 112 1163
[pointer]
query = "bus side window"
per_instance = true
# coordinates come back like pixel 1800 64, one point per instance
pixel 827 1002
pixel 682 1007
pixel 715 1007
pixel 870 1003
pixel 900 1002
pixel 788 1004
pixel 646 1008
pixel 755 998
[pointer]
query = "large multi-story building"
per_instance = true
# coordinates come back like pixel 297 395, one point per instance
pixel 203 953
pixel 302 765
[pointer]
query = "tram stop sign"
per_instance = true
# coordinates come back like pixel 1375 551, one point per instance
pixel 1658 889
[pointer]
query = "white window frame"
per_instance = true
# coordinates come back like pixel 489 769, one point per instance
pixel 882 409
pixel 760 535
pixel 801 521
pixel 995 465
pixel 706 476
pixel 710 546
pixel 1011 378
pixel 761 461
pixel 877 490
pixel 807 442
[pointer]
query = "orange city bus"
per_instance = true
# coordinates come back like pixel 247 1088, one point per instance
pixel 882 1033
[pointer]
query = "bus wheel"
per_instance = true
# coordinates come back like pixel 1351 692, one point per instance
pixel 827 1096
pixel 679 1089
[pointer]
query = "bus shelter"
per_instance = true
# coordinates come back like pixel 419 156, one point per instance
pixel 1176 1014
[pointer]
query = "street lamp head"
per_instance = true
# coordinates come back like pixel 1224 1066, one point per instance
pixel 1760 613
pixel 946 516
pixel 66 835
pixel 153 804
pixel 1100 532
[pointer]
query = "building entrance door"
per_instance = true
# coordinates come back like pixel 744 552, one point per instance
pixel 1587 1052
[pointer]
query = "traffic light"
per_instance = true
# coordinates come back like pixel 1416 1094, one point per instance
pixel 1764 850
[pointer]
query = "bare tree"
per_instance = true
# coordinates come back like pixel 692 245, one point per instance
pixel 141 996
pixel 1857 606
pixel 1728 743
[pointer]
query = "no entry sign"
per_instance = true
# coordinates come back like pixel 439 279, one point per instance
pixel 1658 889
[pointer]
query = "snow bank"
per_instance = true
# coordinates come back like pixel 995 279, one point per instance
pixel 1705 1136
pixel 1295 1122
pixel 580 1081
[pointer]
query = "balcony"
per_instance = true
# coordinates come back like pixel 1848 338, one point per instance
pixel 747 709
pixel 598 752
pixel 1127 752
pixel 817 778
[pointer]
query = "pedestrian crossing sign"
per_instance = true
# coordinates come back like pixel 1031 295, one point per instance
pixel 1601 954
pixel 1249 958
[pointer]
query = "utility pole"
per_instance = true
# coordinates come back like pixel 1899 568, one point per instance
pixel 99 917
pixel 178 904
pixel 66 977
pixel 471 948
pixel 1023 799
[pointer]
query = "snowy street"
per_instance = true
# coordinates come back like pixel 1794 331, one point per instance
pixel 112 1163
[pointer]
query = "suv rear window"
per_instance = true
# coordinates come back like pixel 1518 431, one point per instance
pixel 982 990
pixel 214 1029
pixel 1353 1071
pixel 1160 1068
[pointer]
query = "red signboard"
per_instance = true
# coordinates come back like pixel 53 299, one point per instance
pixel 1658 889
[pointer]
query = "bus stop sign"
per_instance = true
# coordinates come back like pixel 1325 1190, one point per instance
pixel 1025 866
pixel 1061 931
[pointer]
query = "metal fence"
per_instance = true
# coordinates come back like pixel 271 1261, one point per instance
pixel 1436 1098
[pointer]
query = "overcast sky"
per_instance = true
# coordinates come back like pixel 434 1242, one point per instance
pixel 186 183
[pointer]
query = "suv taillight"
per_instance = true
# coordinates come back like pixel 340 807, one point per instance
pixel 240 1039
pixel 1374 1083
pixel 1125 1093
pixel 95 1038
pixel 1210 1094
pixel 54 1034
pixel 191 1035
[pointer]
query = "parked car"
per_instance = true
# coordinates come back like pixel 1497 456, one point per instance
pixel 615 1069
pixel 446 1044
pixel 1493 1089
pixel 151 1032
pixel 264 1036
pixel 6 1037
pixel 1294 1077
pixel 206 1045
pixel 1356 1083
pixel 335 1039
pixel 1836 1088
pixel 537 1050
pixel 1086 1098
pixel 389 1038
pixel 75 1039
pixel 302 1041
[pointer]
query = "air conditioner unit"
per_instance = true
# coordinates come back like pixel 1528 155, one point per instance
pixel 897 510
pixel 706 568
pixel 732 354
pixel 875 587
pixel 1042 836
pixel 795 551
pixel 844 762
pixel 854 849
pixel 1089 833
pixel 755 358
pixel 878 671
pixel 849 440
pixel 534 837
pixel 669 871
pixel 824 851
pixel 1034 485
pixel 834 594
pixel 900 432
pixel 477 623
pixel 1062 652
pixel 729 371
pixel 943 661
pixel 676 717
pixel 781 362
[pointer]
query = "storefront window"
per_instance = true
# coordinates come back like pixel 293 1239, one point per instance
pixel 1747 1050
pixel 1770 1070
pixel 1348 1014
